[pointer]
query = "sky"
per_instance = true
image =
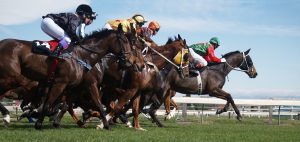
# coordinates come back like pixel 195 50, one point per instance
pixel 270 28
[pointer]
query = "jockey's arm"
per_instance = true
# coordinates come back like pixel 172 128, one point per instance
pixel 211 55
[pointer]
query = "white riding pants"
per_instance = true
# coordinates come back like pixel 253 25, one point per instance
pixel 197 57
pixel 53 30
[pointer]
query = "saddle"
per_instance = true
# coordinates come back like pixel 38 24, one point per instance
pixel 44 47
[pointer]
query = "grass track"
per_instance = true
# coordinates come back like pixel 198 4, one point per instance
pixel 212 130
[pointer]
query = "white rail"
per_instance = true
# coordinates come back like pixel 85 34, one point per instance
pixel 241 102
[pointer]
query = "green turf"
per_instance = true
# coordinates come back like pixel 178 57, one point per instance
pixel 213 129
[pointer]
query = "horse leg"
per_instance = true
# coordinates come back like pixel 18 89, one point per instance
pixel 173 111
pixel 229 98
pixel 95 94
pixel 136 112
pixel 219 93
pixel 5 113
pixel 224 109
pixel 60 114
pixel 75 117
pixel 153 108
pixel 123 99
pixel 167 105
pixel 53 94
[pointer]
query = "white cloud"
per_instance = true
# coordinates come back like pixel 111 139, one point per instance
pixel 266 93
pixel 211 25
pixel 15 12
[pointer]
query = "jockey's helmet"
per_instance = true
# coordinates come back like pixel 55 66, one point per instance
pixel 139 19
pixel 153 25
pixel 215 41
pixel 86 11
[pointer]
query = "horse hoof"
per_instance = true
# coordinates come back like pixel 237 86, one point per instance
pixel 56 125
pixel 80 124
pixel 38 125
pixel 140 129
pixel 239 118
pixel 129 125
pixel 219 111
pixel 6 120
pixel 99 127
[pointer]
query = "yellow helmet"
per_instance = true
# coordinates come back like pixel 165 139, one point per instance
pixel 153 25
pixel 139 19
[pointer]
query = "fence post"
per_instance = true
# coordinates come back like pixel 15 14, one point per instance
pixel 270 114
pixel 202 113
pixel 292 108
pixel 184 111
pixel 279 115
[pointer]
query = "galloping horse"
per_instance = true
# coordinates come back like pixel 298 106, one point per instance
pixel 18 65
pixel 213 79
pixel 149 81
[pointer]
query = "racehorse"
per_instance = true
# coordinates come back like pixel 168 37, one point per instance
pixel 114 78
pixel 213 79
pixel 149 80
pixel 18 65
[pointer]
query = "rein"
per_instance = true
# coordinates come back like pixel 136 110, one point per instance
pixel 89 50
pixel 178 67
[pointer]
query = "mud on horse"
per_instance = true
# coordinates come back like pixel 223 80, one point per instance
pixel 19 67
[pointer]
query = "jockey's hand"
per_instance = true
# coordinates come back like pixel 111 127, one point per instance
pixel 223 60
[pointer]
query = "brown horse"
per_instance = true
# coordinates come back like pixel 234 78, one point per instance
pixel 213 79
pixel 114 78
pixel 18 65
pixel 149 80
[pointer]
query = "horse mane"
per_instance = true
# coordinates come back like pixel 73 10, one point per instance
pixel 170 40
pixel 230 53
pixel 98 34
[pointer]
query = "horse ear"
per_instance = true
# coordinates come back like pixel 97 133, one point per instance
pixel 184 42
pixel 120 28
pixel 246 52
pixel 179 37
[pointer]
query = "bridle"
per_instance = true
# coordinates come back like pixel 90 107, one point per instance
pixel 244 61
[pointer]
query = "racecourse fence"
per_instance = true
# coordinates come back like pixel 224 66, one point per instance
pixel 248 107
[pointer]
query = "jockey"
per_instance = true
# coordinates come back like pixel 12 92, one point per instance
pixel 204 52
pixel 67 27
pixel 147 32
pixel 135 22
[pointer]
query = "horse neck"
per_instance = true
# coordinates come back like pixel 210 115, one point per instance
pixel 233 61
pixel 92 58
pixel 166 51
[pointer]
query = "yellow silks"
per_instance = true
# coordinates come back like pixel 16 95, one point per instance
pixel 177 59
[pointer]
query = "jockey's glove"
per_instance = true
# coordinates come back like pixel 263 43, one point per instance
pixel 223 60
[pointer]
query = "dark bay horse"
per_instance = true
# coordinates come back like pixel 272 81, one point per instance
pixel 213 79
pixel 149 80
pixel 114 79
pixel 19 66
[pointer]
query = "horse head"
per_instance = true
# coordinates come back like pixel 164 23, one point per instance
pixel 109 41
pixel 180 54
pixel 248 65
pixel 138 59
pixel 241 60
